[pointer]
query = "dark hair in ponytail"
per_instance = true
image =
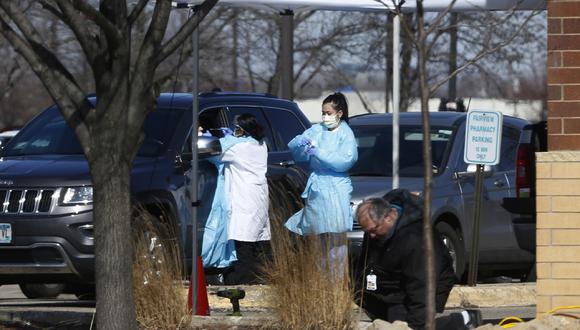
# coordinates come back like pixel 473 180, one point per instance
pixel 250 125
pixel 338 101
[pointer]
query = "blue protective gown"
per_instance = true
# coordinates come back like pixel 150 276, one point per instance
pixel 217 250
pixel 328 190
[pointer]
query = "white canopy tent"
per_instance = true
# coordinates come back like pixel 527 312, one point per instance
pixel 374 5
pixel 287 8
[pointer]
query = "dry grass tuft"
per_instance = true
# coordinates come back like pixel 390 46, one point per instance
pixel 307 292
pixel 160 297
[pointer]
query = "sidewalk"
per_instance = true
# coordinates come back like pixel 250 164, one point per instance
pixel 481 296
pixel 256 309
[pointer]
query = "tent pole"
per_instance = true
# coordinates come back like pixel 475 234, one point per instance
pixel 287 55
pixel 387 73
pixel 193 173
pixel 396 95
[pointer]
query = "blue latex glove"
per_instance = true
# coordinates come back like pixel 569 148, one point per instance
pixel 305 142
pixel 226 131
pixel 311 151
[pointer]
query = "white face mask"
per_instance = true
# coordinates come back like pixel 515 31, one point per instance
pixel 330 121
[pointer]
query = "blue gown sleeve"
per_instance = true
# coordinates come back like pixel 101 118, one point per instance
pixel 341 157
pixel 296 145
pixel 228 141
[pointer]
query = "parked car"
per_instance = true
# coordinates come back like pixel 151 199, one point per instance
pixel 507 230
pixel 5 136
pixel 43 170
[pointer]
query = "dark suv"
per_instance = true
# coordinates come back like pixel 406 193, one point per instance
pixel 507 234
pixel 46 192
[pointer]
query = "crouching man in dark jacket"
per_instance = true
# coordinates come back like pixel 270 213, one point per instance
pixel 390 272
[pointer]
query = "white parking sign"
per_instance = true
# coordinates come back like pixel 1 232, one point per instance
pixel 483 137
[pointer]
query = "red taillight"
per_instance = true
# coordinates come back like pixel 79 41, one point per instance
pixel 524 171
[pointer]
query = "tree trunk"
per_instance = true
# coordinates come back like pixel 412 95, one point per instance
pixel 427 172
pixel 113 248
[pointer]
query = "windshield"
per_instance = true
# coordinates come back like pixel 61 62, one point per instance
pixel 49 134
pixel 375 150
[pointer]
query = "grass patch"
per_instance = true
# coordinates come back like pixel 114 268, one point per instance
pixel 309 290
pixel 160 299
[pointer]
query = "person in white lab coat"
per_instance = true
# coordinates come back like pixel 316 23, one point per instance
pixel 246 189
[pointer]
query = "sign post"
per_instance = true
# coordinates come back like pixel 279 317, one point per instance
pixel 482 147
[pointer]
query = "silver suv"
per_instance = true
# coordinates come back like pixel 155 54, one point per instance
pixel 507 234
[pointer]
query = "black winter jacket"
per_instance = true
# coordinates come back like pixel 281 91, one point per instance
pixel 399 265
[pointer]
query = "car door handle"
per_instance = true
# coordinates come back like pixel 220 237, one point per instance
pixel 287 163
pixel 499 183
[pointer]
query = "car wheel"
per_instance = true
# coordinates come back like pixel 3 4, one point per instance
pixel 41 290
pixel 531 276
pixel 85 295
pixel 453 242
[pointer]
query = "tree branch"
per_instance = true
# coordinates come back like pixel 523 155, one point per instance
pixel 483 53
pixel 185 31
pixel 137 10
pixel 79 27
pixel 111 31
pixel 57 80
pixel 437 22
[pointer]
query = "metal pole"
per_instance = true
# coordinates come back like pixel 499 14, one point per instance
pixel 452 92
pixel 396 82
pixel 473 260
pixel 235 51
pixel 287 55
pixel 387 74
pixel 193 174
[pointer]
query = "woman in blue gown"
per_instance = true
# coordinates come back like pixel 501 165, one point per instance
pixel 330 149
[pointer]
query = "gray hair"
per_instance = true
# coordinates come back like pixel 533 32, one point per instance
pixel 377 209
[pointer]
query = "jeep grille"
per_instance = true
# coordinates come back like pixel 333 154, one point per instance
pixel 25 201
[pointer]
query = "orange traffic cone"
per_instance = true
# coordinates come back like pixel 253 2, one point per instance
pixel 202 301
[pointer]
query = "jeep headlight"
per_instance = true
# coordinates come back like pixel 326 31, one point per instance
pixel 77 195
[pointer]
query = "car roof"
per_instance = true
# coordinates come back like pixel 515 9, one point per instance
pixel 446 118
pixel 183 100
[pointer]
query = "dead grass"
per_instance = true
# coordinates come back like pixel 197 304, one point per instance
pixel 160 300
pixel 308 292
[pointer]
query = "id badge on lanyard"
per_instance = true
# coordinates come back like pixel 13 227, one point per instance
pixel 371 281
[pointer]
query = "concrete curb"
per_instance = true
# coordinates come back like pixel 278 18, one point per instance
pixel 25 317
pixel 492 295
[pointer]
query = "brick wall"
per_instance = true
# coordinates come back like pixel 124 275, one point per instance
pixel 558 230
pixel 563 75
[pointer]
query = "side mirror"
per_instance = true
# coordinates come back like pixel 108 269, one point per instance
pixel 470 171
pixel 208 146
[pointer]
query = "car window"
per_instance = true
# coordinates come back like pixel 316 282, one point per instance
pixel 211 120
pixel 375 156
pixel 285 126
pixel 509 147
pixel 257 112
pixel 49 134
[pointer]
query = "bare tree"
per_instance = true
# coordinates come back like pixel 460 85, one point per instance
pixel 424 38
pixel 109 132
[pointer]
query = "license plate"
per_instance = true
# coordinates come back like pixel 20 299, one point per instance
pixel 5 233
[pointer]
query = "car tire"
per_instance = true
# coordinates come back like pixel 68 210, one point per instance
pixel 85 295
pixel 41 290
pixel 531 276
pixel 454 243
